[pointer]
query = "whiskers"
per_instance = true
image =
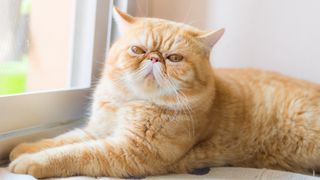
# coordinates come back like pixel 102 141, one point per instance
pixel 182 100
pixel 142 72
pixel 159 75
pixel 166 85
pixel 128 77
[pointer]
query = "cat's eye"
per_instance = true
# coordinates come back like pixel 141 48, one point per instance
pixel 175 57
pixel 137 50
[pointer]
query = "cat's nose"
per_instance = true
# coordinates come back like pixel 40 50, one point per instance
pixel 154 57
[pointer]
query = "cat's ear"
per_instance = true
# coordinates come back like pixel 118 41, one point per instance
pixel 210 38
pixel 123 20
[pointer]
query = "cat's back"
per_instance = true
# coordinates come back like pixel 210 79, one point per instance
pixel 257 78
pixel 281 118
pixel 275 99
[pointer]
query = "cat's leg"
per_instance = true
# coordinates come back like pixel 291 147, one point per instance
pixel 201 156
pixel 100 125
pixel 92 158
pixel 71 137
pixel 112 158
pixel 142 145
pixel 141 153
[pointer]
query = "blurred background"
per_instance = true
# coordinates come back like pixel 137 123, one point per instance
pixel 35 43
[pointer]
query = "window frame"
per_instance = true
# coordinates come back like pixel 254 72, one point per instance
pixel 28 114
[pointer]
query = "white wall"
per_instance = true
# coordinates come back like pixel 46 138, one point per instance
pixel 281 35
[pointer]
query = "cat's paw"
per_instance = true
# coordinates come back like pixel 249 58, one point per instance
pixel 23 148
pixel 33 164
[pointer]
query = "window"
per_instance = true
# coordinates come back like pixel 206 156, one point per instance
pixel 50 53
pixel 36 42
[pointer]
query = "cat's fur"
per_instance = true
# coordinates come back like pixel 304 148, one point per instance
pixel 190 116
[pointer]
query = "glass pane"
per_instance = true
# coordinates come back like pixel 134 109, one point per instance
pixel 35 45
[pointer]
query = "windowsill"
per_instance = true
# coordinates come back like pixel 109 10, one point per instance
pixel 11 139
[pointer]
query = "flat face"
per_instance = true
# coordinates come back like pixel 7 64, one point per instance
pixel 160 58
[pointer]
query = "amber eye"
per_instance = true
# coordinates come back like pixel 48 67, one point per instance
pixel 175 57
pixel 137 50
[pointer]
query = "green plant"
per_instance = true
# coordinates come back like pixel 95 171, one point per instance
pixel 13 77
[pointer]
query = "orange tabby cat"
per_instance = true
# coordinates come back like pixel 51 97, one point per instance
pixel 160 108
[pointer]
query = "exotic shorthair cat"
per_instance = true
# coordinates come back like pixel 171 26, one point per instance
pixel 160 108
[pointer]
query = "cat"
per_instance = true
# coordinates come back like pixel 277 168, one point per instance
pixel 161 108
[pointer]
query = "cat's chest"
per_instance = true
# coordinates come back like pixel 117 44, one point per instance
pixel 140 112
pixel 148 118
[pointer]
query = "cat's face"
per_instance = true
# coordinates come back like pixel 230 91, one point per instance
pixel 160 59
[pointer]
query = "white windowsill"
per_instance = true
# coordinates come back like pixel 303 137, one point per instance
pixel 10 139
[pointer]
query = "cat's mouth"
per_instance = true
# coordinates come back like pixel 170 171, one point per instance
pixel 150 77
pixel 150 74
pixel 150 80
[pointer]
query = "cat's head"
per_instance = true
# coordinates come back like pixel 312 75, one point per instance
pixel 161 60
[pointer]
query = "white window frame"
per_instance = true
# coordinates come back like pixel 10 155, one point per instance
pixel 32 116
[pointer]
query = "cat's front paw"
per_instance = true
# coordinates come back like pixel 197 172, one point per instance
pixel 23 148
pixel 32 164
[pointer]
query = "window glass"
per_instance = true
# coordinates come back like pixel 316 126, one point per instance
pixel 35 45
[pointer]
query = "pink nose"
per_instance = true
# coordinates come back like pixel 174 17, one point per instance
pixel 155 59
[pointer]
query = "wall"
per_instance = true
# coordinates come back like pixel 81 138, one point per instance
pixel 281 35
pixel 51 25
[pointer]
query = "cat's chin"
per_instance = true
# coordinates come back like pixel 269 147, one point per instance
pixel 146 89
pixel 151 91
pixel 150 88
pixel 148 84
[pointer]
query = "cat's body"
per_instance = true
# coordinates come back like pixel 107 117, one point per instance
pixel 201 117
pixel 262 119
